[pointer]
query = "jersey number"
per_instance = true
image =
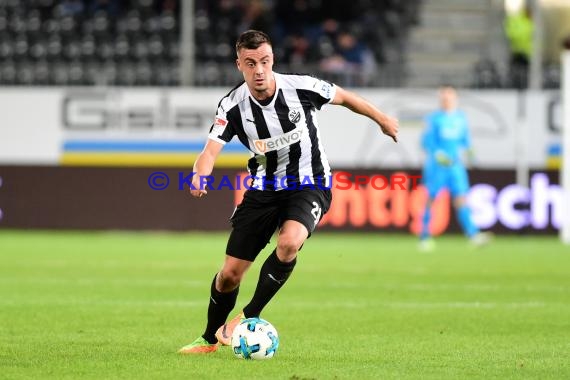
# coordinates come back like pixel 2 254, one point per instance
pixel 316 212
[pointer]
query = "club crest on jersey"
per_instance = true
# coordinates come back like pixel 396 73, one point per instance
pixel 294 116
pixel 274 143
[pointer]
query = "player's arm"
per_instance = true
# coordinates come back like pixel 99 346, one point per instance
pixel 356 103
pixel 204 165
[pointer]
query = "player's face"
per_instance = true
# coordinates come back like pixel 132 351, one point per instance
pixel 448 98
pixel 256 66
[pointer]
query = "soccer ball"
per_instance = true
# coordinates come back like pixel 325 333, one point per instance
pixel 255 338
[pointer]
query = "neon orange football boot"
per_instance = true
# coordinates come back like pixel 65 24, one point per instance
pixel 199 346
pixel 224 333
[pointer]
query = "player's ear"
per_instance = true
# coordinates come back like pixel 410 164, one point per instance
pixel 238 64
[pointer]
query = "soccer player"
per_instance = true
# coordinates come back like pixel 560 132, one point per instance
pixel 445 140
pixel 274 116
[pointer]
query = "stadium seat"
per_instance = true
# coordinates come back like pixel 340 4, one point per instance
pixel 8 73
pixel 486 75
pixel 552 76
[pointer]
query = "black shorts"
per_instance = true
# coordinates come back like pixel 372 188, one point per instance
pixel 260 213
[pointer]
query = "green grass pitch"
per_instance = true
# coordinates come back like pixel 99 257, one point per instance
pixel 358 306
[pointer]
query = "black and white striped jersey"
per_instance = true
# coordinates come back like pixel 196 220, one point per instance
pixel 283 136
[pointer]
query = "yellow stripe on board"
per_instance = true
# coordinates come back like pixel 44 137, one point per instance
pixel 553 162
pixel 230 160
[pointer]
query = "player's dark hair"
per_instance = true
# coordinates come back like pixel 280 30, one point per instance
pixel 252 39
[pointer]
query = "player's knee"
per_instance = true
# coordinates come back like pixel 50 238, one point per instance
pixel 229 279
pixel 287 248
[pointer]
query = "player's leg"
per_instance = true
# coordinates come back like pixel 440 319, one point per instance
pixel 245 245
pixel 254 221
pixel 300 214
pixel 426 219
pixel 433 179
pixel 426 244
pixel 464 218
pixel 277 267
pixel 273 274
pixel 223 295
pixel 459 187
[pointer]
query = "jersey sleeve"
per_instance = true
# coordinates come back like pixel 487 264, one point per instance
pixel 222 130
pixel 319 92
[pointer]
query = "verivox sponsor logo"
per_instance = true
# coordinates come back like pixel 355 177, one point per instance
pixel 337 180
pixel 277 142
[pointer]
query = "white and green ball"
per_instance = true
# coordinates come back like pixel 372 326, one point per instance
pixel 255 338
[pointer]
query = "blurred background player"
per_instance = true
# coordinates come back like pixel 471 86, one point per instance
pixel 519 29
pixel 445 140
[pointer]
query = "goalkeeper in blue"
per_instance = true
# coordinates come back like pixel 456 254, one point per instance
pixel 446 140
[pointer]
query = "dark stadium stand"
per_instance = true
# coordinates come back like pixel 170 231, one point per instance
pixel 90 42
pixel 136 42
pixel 358 42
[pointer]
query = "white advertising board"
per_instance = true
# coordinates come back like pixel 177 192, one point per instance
pixel 169 126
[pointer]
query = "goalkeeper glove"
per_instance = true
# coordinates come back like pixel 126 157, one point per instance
pixel 442 158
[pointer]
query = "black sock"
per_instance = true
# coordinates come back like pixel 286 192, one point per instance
pixel 221 304
pixel 272 277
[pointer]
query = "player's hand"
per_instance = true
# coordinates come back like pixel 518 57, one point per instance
pixel 196 191
pixel 390 126
pixel 442 158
